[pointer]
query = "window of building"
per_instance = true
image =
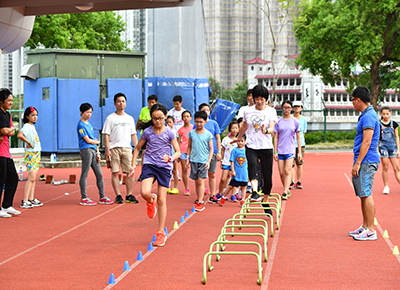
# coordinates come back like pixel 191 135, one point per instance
pixel 326 97
pixel 279 82
pixel 332 97
pixel 285 82
pixel 292 82
pixel 298 82
pixel 344 97
pixel 393 98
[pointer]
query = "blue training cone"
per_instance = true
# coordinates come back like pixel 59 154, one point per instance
pixel 193 209
pixel 186 214
pixel 154 239
pixel 139 256
pixel 182 219
pixel 126 266
pixel 112 279
pixel 165 230
pixel 150 247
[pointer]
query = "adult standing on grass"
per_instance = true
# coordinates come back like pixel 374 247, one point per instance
pixel 258 125
pixel 119 130
pixel 8 174
pixel 366 161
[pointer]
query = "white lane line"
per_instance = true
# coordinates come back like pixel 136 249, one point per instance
pixel 272 252
pixel 387 240
pixel 59 235
pixel 148 253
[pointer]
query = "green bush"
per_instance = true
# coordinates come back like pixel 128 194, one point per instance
pixel 319 137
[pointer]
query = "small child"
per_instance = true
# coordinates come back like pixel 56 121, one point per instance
pixel 226 148
pixel 389 147
pixel 284 148
pixel 169 121
pixel 183 141
pixel 90 155
pixel 200 152
pixel 33 148
pixel 239 171
pixel 157 166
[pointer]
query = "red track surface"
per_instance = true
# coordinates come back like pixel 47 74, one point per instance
pixel 63 245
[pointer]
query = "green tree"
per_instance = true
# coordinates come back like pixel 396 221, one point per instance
pixel 215 87
pixel 238 94
pixel 97 30
pixel 334 36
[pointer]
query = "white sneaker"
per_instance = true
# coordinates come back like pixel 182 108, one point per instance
pixel 386 190
pixel 3 214
pixel 35 202
pixel 26 204
pixel 11 210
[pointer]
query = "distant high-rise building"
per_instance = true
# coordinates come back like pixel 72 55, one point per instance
pixel 135 32
pixel 11 66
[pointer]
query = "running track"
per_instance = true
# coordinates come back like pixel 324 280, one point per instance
pixel 66 246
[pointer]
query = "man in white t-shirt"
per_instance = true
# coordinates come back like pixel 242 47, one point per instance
pixel 250 103
pixel 119 130
pixel 176 112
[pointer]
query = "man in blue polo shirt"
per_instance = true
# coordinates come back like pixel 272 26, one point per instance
pixel 366 161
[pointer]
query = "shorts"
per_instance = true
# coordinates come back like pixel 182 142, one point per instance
pixel 235 183
pixel 183 156
pixel 285 156
pixel 226 167
pixel 32 161
pixel 213 164
pixel 387 150
pixel 161 175
pixel 198 170
pixel 364 183
pixel 297 162
pixel 121 157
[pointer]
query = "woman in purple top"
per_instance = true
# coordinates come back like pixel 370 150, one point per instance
pixel 284 146
pixel 157 166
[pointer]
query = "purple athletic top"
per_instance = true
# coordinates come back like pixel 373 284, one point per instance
pixel 286 130
pixel 157 146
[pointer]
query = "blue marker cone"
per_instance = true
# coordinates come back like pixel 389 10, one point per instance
pixel 150 247
pixel 186 214
pixel 182 219
pixel 166 231
pixel 193 210
pixel 154 239
pixel 139 256
pixel 126 266
pixel 112 279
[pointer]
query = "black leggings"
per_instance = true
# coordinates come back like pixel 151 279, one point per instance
pixel 9 178
pixel 266 158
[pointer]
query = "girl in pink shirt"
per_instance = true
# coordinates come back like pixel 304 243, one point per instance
pixel 183 141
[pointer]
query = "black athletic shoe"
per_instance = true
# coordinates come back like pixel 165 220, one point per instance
pixel 255 197
pixel 131 199
pixel 119 199
pixel 267 210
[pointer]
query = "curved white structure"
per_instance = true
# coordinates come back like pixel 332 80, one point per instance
pixel 15 28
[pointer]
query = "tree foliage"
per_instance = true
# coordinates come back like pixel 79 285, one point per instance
pixel 97 30
pixel 334 36
pixel 237 94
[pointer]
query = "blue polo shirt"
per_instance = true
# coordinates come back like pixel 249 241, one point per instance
pixel 367 120
pixel 85 130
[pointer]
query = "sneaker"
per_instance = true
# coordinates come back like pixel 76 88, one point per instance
pixel 119 199
pixel 105 200
pixel 366 235
pixel 131 199
pixel 292 185
pixel 87 201
pixel 187 192
pixel 298 185
pixel 161 238
pixel 196 201
pixel 41 177
pixel 207 192
pixel 26 204
pixel 289 193
pixel 284 196
pixel 255 197
pixel 386 190
pixel 151 208
pixel 3 214
pixel 35 202
pixel 213 199
pixel 238 196
pixel 173 191
pixel 11 210
pixel 241 203
pixel 199 206
pixel 357 231
pixel 222 201
pixel 248 189
pixel 233 198
pixel 267 210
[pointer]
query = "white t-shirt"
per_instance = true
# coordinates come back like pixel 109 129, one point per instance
pixel 120 129
pixel 226 143
pixel 254 118
pixel 178 123
pixel 241 111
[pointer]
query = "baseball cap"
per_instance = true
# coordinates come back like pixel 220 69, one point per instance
pixel 297 104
